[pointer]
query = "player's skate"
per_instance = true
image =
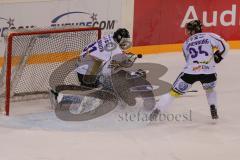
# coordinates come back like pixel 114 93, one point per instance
pixel 213 112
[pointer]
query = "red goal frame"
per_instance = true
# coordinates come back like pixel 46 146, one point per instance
pixel 31 32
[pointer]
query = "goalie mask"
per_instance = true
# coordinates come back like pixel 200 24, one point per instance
pixel 122 37
pixel 194 26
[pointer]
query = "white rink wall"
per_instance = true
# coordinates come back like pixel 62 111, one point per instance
pixel 107 14
pixel 17 1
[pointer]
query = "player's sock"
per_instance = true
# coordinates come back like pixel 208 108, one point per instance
pixel 211 97
pixel 212 101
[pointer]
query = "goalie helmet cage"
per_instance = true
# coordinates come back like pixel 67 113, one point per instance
pixel 32 56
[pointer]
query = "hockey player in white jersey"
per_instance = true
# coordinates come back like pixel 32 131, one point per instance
pixel 101 57
pixel 99 60
pixel 202 51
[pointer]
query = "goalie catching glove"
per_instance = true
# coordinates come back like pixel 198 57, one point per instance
pixel 124 60
pixel 131 57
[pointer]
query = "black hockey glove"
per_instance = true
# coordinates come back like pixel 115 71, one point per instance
pixel 218 56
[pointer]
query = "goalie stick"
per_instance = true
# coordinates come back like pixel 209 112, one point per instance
pixel 191 91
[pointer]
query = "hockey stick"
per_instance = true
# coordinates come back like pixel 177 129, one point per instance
pixel 210 60
pixel 192 91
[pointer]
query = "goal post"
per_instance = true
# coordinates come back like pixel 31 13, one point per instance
pixel 32 56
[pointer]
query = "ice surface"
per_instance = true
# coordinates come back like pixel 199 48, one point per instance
pixel 42 136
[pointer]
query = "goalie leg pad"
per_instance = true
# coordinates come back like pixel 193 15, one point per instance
pixel 90 81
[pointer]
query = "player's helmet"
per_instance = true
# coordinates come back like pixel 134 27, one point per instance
pixel 122 37
pixel 120 33
pixel 194 26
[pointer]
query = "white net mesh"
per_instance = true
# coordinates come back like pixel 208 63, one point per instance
pixel 44 58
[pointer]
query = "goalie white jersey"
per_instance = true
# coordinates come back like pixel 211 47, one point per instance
pixel 103 49
pixel 199 50
pixel 98 56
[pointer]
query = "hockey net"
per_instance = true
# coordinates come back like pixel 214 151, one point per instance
pixel 39 59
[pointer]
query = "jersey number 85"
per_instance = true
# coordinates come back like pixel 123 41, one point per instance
pixel 195 52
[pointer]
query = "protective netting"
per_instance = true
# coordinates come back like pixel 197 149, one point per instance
pixel 44 58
